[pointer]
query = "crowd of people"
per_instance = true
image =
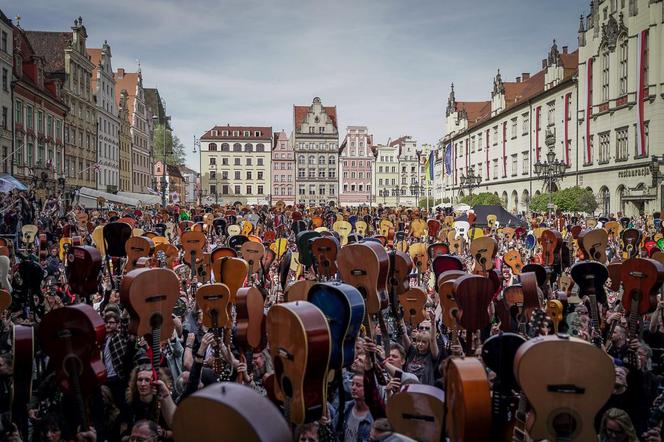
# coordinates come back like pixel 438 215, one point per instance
pixel 122 407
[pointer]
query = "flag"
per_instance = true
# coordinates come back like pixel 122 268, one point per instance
pixel 641 55
pixel 97 167
pixel 429 166
pixel 448 159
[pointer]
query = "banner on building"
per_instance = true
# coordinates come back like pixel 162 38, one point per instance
pixel 642 55
pixel 448 159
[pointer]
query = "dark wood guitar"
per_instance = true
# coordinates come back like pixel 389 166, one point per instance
pixel 23 348
pixel 232 272
pixel 473 294
pixel 299 339
pixel 72 336
pixel 631 241
pixel 84 270
pixel 565 397
pixel 551 241
pixel 324 250
pixel 590 276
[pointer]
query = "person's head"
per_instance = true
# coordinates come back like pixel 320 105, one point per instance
pixel 621 380
pixel 49 429
pixel 359 346
pixel 357 387
pixel 140 383
pixel 112 321
pixel 258 360
pixel 619 335
pixel 422 344
pixel 6 365
pixel 145 431
pixel 397 356
pixel 358 363
pixel 645 356
pixel 380 427
pixel 307 432
pixel 114 298
pixel 616 426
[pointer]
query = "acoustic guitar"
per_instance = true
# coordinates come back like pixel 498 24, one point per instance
pixel 193 244
pixel 299 339
pixel 448 302
pixel 513 260
pixel 366 266
pixel 631 241
pixel 250 329
pixel 551 241
pixel 593 244
pixel 473 294
pixel 468 400
pixel 231 410
pixel 343 306
pixel 214 301
pixel 23 348
pixel 418 252
pixel 417 412
pixel 344 229
pixel 232 272
pixel 483 250
pixel 253 253
pixel 324 250
pixel 591 276
pixel 72 336
pixel 565 397
pixel 84 270
pixel 137 247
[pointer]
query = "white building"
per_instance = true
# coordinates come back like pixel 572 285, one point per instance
pixel 108 124
pixel 235 164
pixel 6 68
pixel 191 184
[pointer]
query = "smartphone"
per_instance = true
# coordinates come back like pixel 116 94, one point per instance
pixel 379 340
pixel 397 374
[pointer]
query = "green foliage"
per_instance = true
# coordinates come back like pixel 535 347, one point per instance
pixel 432 202
pixel 482 199
pixel 571 199
pixel 174 148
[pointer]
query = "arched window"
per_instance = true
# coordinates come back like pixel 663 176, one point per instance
pixel 260 147
pixel 321 159
pixel 212 146
pixel 225 147
pixel 331 160
pixel 622 54
pixel 300 159
pixel 248 147
pixel 312 159
pixel 237 147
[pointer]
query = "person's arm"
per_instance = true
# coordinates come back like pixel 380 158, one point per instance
pixel 167 404
pixel 188 360
pixel 405 339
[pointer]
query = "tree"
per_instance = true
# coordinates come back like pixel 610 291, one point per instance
pixel 174 148
pixel 432 202
pixel 571 199
pixel 482 199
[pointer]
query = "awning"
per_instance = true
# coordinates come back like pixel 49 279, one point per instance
pixel 88 198
pixel 144 198
pixel 9 183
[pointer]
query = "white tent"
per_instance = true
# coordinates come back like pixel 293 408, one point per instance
pixel 144 198
pixel 88 198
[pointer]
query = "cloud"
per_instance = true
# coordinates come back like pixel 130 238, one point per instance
pixel 386 64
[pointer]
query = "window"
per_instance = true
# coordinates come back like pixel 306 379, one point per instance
pixel 249 190
pixel 332 190
pixel 495 135
pixel 321 189
pixel 237 174
pixel 29 117
pixel 249 162
pixel 224 161
pixel 300 190
pixel 5 79
pixel 225 147
pixel 249 174
pixel 479 143
pixel 213 174
pixel 495 169
pixel 260 147
pixel 260 175
pixel 514 165
pixel 259 161
pixel 331 173
pixel 224 175
pixel 331 161
pixel 526 163
pixel 513 132
pixel 213 189
pixel 646 56
pixel 621 144
pixel 551 113
pixel 312 189
pixel 212 146
pixel 237 147
pixel 623 66
pixel 236 162
pixel 248 147
pixel 605 77
pixel 300 173
pixel 472 147
pixel 646 129
pixel 5 117
pixel 247 133
pixel 3 43
pixel 213 161
pixel 604 139
pixel 260 190
pixel 237 190
pixel 224 189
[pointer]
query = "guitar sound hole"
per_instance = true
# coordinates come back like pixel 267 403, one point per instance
pixel 287 386
pixel 564 425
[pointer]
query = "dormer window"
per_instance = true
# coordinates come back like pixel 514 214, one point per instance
pixel 224 133
pixel 236 133
pixel 247 133
pixel 257 133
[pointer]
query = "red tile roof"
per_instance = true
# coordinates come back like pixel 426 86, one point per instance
pixel 266 133
pixel 475 110
pixel 129 82
pixel 51 46
pixel 301 112
pixel 95 58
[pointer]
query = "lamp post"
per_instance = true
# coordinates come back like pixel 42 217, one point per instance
pixel 167 118
pixel 470 180
pixel 418 152
pixel 551 171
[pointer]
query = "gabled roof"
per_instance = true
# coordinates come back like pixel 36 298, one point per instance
pixel 4 18
pixel 51 46
pixel 95 56
pixel 126 81
pixel 474 110
pixel 301 112
pixel 153 102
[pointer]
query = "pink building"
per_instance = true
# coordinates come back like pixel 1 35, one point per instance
pixel 356 159
pixel 283 169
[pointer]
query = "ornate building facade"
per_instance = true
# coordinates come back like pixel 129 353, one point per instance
pixel 387 174
pixel 356 157
pixel 316 145
pixel 141 124
pixel 236 164
pixel 124 141
pixel 283 169
pixel 108 123
pixel 39 114
pixel 6 68
pixel 66 59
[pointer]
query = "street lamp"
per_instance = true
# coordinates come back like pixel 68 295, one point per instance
pixel 553 170
pixel 155 119
pixel 470 180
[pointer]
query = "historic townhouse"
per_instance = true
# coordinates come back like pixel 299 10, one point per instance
pixel 67 60
pixel 355 164
pixel 38 117
pixel 235 164
pixel 283 169
pixel 6 67
pixel 621 104
pixel 108 123
pixel 141 127
pixel 124 142
pixel 387 174
pixel 316 144
pixel 409 175
pixel 502 138
pixel 191 184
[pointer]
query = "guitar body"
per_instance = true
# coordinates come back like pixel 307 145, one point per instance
pixel 631 240
pixel 84 329
pixel 232 272
pixel 443 263
pixel 150 295
pixel 417 412
pixel 137 247
pixel 23 347
pixel 366 266
pixel 250 331
pixel 193 244
pixel 469 400
pixel 413 301
pixel 473 294
pixel 513 260
pixel 169 251
pixel 418 252
pixel 231 410
pixel 84 270
pixel 565 397
pixel 343 306
pixel 483 250
pixel 299 290
pixel 437 249
pixel 214 302
pixel 400 267
pixel 300 346
pixel 593 244
pixel 641 278
pixel 303 242
pixel 116 235
pixel 252 252
pixel 551 241
pixel 324 250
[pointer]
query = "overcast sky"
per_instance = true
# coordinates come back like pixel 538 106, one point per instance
pixel 386 64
